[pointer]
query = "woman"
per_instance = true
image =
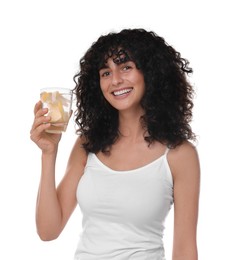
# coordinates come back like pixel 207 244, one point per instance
pixel 133 157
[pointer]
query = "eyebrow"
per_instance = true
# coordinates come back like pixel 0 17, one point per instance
pixel 105 66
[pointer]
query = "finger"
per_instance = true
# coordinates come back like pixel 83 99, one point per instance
pixel 37 106
pixel 39 120
pixel 41 112
pixel 35 133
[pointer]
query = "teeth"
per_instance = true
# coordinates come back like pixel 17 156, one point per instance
pixel 121 92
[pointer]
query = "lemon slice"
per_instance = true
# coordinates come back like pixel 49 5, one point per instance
pixel 45 96
pixel 55 102
pixel 55 113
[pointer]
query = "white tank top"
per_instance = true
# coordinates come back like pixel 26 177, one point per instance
pixel 124 211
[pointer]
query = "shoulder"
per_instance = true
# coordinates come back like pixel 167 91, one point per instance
pixel 78 156
pixel 183 150
pixel 184 160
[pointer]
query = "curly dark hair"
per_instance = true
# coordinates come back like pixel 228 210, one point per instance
pixel 167 101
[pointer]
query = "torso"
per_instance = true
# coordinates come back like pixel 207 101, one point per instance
pixel 124 211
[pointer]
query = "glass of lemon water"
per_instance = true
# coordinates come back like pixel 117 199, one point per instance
pixel 59 102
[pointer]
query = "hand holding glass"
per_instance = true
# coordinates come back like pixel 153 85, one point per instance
pixel 58 101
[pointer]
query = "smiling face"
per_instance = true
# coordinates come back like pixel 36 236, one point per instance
pixel 122 84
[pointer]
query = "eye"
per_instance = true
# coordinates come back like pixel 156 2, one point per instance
pixel 127 67
pixel 104 73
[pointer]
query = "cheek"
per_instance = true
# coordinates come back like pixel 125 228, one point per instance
pixel 104 90
pixel 103 86
pixel 139 78
pixel 141 83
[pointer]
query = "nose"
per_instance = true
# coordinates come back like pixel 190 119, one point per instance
pixel 116 78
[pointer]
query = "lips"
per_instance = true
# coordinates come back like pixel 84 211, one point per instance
pixel 121 92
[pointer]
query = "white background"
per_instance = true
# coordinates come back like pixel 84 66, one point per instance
pixel 40 46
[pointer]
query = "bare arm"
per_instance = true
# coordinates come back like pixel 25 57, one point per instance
pixel 55 205
pixel 185 168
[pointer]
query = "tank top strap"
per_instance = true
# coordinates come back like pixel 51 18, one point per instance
pixel 166 151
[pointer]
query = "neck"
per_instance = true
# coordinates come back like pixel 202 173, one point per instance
pixel 130 125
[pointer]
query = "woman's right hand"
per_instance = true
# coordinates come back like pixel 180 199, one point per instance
pixel 47 142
